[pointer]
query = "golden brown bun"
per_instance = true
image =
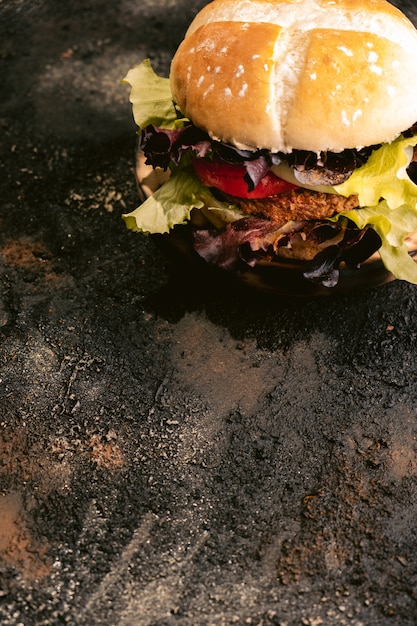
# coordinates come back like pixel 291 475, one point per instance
pixel 298 74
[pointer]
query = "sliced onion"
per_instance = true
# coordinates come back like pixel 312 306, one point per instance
pixel 304 179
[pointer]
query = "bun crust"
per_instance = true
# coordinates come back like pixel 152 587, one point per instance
pixel 298 74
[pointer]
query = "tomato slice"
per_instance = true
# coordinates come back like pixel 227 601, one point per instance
pixel 229 178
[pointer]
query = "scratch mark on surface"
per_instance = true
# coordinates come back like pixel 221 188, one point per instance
pixel 119 568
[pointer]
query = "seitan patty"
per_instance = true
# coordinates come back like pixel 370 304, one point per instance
pixel 298 205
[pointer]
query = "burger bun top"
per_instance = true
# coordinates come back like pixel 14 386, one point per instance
pixel 318 75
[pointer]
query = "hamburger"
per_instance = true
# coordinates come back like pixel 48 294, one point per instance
pixel 288 129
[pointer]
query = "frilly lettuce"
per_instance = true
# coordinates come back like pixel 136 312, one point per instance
pixel 392 226
pixel 388 200
pixel 151 98
pixel 384 176
pixel 172 204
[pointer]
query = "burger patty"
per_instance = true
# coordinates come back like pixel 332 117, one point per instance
pixel 297 205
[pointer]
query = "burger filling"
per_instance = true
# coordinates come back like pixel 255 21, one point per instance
pixel 286 220
pixel 245 207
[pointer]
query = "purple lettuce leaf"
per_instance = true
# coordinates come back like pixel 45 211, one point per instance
pixel 242 244
pixel 236 246
pixel 355 248
pixel 162 147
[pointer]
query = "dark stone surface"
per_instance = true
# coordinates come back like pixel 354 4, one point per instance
pixel 172 452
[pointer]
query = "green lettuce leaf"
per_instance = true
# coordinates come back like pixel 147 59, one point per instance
pixel 384 176
pixel 171 204
pixel 151 98
pixel 388 200
pixel 392 226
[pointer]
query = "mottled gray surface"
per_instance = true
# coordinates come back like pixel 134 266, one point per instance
pixel 172 452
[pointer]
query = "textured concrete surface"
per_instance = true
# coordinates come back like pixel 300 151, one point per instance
pixel 172 451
